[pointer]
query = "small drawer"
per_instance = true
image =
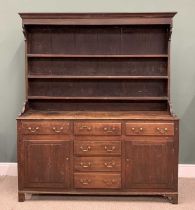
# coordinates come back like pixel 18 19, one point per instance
pixel 97 128
pixel 157 129
pixel 97 180
pixel 46 127
pixel 97 147
pixel 97 164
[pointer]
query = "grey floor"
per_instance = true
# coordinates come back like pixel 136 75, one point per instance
pixel 8 200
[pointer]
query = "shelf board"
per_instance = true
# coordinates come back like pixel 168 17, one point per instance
pixel 94 77
pixel 96 98
pixel 95 56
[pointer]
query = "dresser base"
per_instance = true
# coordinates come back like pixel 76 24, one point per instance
pixel 135 156
pixel 172 197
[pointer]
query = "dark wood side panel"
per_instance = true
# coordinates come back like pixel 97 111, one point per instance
pixel 46 164
pixel 149 164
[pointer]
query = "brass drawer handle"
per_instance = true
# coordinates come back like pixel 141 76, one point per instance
pixel 162 131
pixel 85 127
pixel 58 130
pixel 85 150
pixel 85 181
pixel 109 130
pixel 109 182
pixel 110 164
pixel 110 149
pixel 85 165
pixel 137 130
pixel 33 130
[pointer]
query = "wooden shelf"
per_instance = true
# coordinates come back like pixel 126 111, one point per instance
pixel 94 77
pixel 95 56
pixel 97 98
pixel 95 73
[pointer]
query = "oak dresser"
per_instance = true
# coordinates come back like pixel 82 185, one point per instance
pixel 97 118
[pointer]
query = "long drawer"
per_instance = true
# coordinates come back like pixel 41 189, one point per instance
pixel 149 129
pixel 46 127
pixel 97 180
pixel 97 164
pixel 97 128
pixel 97 148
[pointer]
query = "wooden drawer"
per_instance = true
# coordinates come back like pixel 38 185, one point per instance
pixel 150 129
pixel 97 180
pixel 46 127
pixel 97 164
pixel 97 128
pixel 97 147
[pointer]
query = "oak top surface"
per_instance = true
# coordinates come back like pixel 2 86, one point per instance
pixel 97 18
pixel 153 115
pixel 95 14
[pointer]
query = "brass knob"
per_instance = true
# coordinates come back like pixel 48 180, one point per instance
pixel 58 130
pixel 110 164
pixel 162 131
pixel 109 130
pixel 85 127
pixel 111 149
pixel 67 158
pixel 137 130
pixel 85 181
pixel 85 150
pixel 85 165
pixel 109 182
pixel 33 130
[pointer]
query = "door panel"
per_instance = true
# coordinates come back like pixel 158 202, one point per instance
pixel 149 164
pixel 46 164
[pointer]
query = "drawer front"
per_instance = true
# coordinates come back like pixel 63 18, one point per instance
pixel 46 127
pixel 97 147
pixel 157 129
pixel 97 128
pixel 97 164
pixel 97 180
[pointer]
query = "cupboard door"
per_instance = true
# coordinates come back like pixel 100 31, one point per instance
pixel 149 164
pixel 46 164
